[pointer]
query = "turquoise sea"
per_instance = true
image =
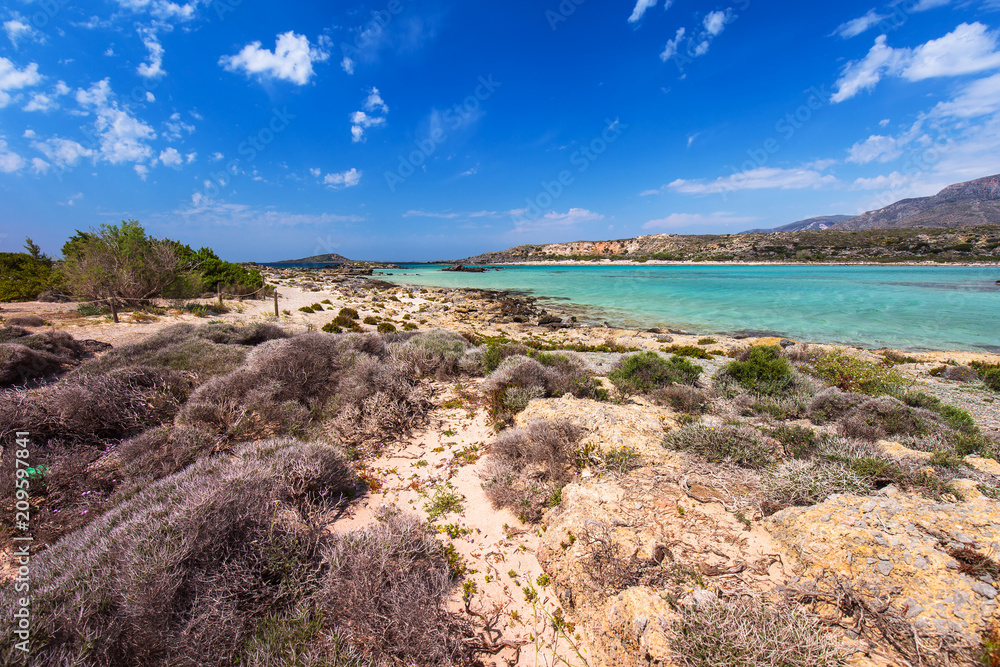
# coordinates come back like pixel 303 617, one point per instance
pixel 906 307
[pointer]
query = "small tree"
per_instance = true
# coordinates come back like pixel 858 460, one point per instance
pixel 119 264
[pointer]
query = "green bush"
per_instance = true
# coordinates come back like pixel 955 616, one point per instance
pixel 799 441
pixel 688 351
pixel 647 371
pixel 991 378
pixel 386 327
pixel 23 277
pixel 763 370
pixel 349 313
pixel 849 372
pixel 371 320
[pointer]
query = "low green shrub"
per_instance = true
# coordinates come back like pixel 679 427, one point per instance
pixel 386 327
pixel 799 441
pixel 761 369
pixel 688 351
pixel 647 371
pixel 348 313
pixel 849 372
pixel 370 319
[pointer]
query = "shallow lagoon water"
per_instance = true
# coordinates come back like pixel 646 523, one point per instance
pixel 906 307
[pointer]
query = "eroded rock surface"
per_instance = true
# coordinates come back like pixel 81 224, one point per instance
pixel 901 546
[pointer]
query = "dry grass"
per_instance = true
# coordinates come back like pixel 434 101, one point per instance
pixel 432 354
pixel 741 445
pixel 883 417
pixel 746 632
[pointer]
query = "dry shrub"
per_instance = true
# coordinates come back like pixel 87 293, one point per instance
pixel 960 374
pixel 183 572
pixel 286 384
pixel 528 465
pixel 741 445
pixel 160 452
pixel 26 321
pixel 432 354
pixel 25 356
pixel 799 482
pixel 90 410
pixel 251 334
pixel 831 404
pixel 682 398
pixel 746 632
pixel 883 417
pixel 179 347
pixel 386 590
pixel 518 379
pixel 20 364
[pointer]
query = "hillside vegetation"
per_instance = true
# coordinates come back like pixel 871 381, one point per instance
pixel 962 245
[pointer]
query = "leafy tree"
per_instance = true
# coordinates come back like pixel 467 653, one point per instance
pixel 119 264
pixel 24 275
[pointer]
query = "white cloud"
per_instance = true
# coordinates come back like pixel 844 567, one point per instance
pixel 206 210
pixel 72 200
pixel 855 27
pixel 39 166
pixel 875 147
pixel 165 10
pixel 154 68
pixel 12 78
pixel 123 137
pixel 572 217
pixel 978 98
pixel 142 170
pixel 9 160
pixel 893 181
pixel 43 102
pixel 63 152
pixel 968 49
pixel 924 5
pixel 347 65
pixel 640 9
pixel 216 156
pixel 715 22
pixel 17 29
pixel 190 157
pixel 171 157
pixel 347 179
pixel 672 45
pixel 316 172
pixel 292 59
pixel 675 220
pixel 177 128
pixel 373 114
pixel 756 179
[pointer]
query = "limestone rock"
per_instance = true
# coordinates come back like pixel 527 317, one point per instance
pixel 608 425
pixel 899 546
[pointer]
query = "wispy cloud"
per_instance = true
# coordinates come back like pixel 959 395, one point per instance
pixel 762 178
pixel 12 78
pixel 553 220
pixel 968 49
pixel 862 24
pixel 679 220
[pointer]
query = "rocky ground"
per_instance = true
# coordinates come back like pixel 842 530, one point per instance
pixel 606 575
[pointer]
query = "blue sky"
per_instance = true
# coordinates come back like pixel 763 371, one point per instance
pixel 419 129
